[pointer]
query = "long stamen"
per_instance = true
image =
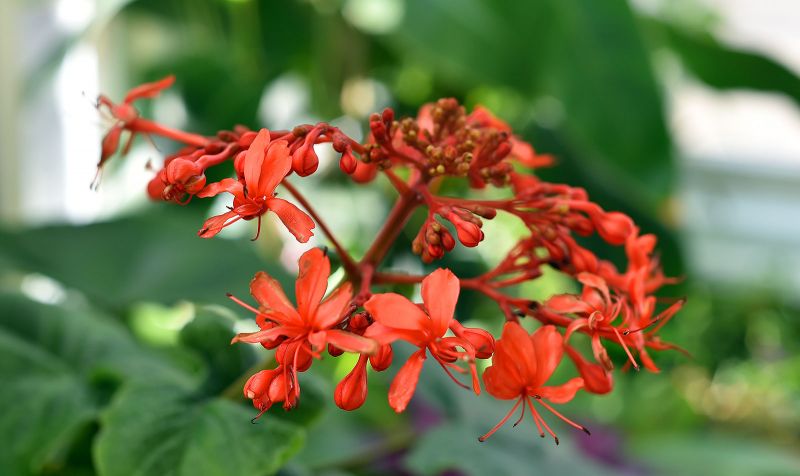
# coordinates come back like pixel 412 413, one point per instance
pixel 255 418
pixel 447 371
pixel 535 419
pixel 559 415
pixel 627 351
pixel 242 303
pixel 295 378
pixel 258 230
pixel 544 423
pixel 502 422
pixel 521 416
pixel 663 317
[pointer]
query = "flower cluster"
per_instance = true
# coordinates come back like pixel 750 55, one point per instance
pixel 444 142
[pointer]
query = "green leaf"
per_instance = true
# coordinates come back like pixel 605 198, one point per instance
pixel 723 67
pixel 209 335
pixel 153 257
pixel 58 367
pixel 161 430
pixel 587 57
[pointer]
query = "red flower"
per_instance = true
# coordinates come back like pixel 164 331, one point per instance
pixel 520 367
pixel 126 116
pixel 398 318
pixel 265 165
pixel 303 331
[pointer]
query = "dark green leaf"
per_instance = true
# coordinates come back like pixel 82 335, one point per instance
pixel 161 430
pixel 724 67
pixel 58 367
pixel 587 56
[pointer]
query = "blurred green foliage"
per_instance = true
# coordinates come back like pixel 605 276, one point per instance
pixel 119 377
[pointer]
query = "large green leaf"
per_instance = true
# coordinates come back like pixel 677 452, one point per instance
pixel 155 256
pixel 586 55
pixel 159 430
pixel 724 67
pixel 58 367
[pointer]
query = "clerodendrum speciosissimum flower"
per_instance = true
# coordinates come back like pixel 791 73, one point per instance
pixel 443 142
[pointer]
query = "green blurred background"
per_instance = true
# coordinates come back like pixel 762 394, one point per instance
pixel 114 326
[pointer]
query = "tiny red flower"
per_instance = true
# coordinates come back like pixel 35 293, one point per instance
pixel 398 318
pixel 305 330
pixel 521 365
pixel 265 165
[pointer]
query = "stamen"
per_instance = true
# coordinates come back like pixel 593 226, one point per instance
pixel 559 415
pixel 255 418
pixel 535 420
pixel 521 416
pixel 258 230
pixel 242 303
pixel 544 423
pixel 663 317
pixel 627 351
pixel 502 422
pixel 447 371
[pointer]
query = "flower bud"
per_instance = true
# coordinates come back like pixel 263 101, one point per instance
pixel 469 234
pixel 348 162
pixel 305 160
pixel 257 388
pixel 364 173
pixel 247 138
pixel 447 240
pixel 479 338
pixel 382 359
pixel 613 227
pixel 351 392
pixel 110 144
pixel 595 378
pixel 581 258
pixel 334 351
pixel 155 188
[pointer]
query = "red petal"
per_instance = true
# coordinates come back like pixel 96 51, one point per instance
pixel 567 303
pixel 395 311
pixel 262 335
pixel 269 293
pixel 440 293
pixel 149 90
pixel 596 282
pixel 215 224
pixel 386 335
pixel 331 311
pixel 499 385
pixel 349 342
pixel 548 346
pixel 296 221
pixel 561 393
pixel 229 185
pixel 254 162
pixel 405 382
pixel 274 168
pixel 517 346
pixel 312 281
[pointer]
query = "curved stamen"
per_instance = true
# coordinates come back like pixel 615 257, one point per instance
pixel 502 422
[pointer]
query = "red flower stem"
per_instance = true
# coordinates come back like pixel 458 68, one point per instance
pixel 149 127
pixel 349 264
pixel 394 224
pixel 396 181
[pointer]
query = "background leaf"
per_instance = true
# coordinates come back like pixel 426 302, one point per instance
pixel 58 367
pixel 152 430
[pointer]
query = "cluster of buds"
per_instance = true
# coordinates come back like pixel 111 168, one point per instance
pixel 444 142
